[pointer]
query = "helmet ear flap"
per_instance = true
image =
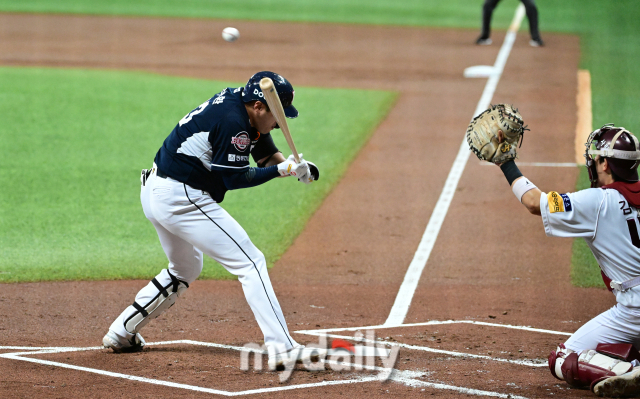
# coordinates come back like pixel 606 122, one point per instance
pixel 637 148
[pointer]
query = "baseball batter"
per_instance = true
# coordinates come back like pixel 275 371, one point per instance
pixel 206 154
pixel 602 354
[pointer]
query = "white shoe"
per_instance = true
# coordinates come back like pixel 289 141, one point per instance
pixel 299 354
pixel 622 385
pixel 112 341
pixel 536 43
pixel 484 41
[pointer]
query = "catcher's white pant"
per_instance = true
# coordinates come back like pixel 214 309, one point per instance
pixel 190 223
pixel 619 324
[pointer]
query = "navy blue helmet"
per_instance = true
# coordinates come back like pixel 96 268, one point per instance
pixel 285 91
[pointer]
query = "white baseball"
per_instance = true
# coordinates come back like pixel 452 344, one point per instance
pixel 230 34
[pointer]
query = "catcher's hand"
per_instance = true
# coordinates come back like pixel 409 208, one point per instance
pixel 494 134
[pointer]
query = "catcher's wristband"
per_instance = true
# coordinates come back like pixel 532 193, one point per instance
pixel 511 171
pixel 522 186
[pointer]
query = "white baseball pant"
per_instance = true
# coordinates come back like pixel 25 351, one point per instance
pixel 619 324
pixel 190 223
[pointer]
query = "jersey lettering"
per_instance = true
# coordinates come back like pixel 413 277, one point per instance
pixel 625 211
pixel 258 93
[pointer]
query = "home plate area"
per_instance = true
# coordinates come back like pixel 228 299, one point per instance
pixel 469 357
pixel 440 357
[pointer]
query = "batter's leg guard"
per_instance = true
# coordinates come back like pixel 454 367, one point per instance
pixel 167 293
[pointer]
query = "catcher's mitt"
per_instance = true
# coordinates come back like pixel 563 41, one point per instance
pixel 482 134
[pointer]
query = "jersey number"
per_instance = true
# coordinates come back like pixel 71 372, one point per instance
pixel 631 223
pixel 193 113
pixel 633 231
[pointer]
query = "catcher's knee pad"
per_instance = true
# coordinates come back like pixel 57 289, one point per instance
pixel 165 298
pixel 626 352
pixel 590 367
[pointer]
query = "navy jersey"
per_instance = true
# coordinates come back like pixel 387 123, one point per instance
pixel 213 139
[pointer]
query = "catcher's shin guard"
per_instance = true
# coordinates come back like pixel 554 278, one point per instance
pixel 166 295
pixel 591 367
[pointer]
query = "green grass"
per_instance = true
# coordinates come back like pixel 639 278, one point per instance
pixel 453 13
pixel 73 144
pixel 608 29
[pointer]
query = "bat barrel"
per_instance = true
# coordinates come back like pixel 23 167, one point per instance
pixel 273 101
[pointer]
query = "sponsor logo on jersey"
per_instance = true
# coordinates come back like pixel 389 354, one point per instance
pixel 238 158
pixel 241 141
pixel 559 202
pixel 567 202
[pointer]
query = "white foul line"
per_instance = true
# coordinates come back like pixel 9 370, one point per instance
pixel 412 277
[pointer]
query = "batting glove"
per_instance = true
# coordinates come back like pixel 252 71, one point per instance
pixel 314 174
pixel 291 168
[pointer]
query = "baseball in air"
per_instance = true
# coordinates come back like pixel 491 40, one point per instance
pixel 230 34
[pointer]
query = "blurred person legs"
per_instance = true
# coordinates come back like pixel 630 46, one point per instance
pixel 532 15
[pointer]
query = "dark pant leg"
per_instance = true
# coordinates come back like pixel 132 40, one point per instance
pixel 532 16
pixel 487 12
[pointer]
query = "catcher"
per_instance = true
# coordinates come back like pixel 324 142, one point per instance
pixel 602 355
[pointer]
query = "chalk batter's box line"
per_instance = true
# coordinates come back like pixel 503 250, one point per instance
pixel 406 377
pixel 434 323
pixel 50 350
pixel 326 332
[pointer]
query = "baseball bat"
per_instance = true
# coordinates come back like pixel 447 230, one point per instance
pixel 273 101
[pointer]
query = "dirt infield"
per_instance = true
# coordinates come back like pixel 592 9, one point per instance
pixel 346 268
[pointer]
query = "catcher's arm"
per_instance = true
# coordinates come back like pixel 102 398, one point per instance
pixel 531 200
pixel 527 192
